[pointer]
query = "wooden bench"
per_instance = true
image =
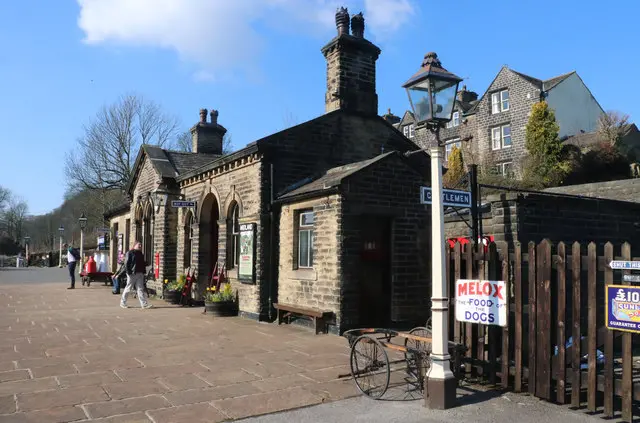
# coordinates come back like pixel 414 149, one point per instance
pixel 319 317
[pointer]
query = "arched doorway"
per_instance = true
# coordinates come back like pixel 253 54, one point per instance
pixel 147 234
pixel 188 240
pixel 208 240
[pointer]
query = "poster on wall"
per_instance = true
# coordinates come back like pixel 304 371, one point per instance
pixel 120 247
pixel 246 265
pixel 483 302
pixel 623 308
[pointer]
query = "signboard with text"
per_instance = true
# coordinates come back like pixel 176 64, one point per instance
pixel 450 197
pixel 625 265
pixel 246 264
pixel 182 203
pixel 479 301
pixel 623 308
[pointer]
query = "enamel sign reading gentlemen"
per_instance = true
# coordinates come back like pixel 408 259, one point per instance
pixel 450 197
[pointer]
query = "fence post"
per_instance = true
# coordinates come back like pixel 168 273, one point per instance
pixel 627 357
pixel 608 339
pixel 592 326
pixel 531 382
pixel 468 326
pixel 517 350
pixel 505 329
pixel 481 327
pixel 543 314
pixel 562 303
pixel 575 347
pixel 456 275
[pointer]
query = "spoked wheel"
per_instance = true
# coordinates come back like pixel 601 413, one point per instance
pixel 370 366
pixel 425 352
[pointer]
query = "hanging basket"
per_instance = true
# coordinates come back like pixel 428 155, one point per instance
pixel 221 309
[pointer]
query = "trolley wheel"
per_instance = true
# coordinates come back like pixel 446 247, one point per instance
pixel 424 347
pixel 370 366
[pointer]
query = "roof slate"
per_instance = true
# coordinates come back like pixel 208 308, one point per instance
pixel 184 162
pixel 331 178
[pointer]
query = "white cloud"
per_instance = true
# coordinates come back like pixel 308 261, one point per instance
pixel 221 36
pixel 385 16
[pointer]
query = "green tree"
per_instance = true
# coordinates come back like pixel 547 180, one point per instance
pixel 545 162
pixel 455 172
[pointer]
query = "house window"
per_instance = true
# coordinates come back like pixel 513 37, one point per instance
pixel 500 101
pixel 305 239
pixel 501 137
pixel 505 169
pixel 408 131
pixel 455 120
pixel 449 146
pixel 233 230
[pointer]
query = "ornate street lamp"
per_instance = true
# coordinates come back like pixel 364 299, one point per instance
pixel 432 93
pixel 61 230
pixel 159 198
pixel 26 248
pixel 82 221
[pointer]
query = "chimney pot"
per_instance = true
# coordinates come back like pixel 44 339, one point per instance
pixel 342 21
pixel 214 117
pixel 203 115
pixel 357 25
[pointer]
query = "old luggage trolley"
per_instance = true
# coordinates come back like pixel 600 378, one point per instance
pixel 370 365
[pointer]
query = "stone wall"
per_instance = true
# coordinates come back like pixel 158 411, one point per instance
pixel 534 217
pixel 391 189
pixel 623 190
pixel 119 220
pixel 317 287
pixel 522 95
pixel 242 184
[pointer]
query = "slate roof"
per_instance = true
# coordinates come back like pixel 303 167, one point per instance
pixel 184 162
pixel 329 179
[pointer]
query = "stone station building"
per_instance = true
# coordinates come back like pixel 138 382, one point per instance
pixel 331 205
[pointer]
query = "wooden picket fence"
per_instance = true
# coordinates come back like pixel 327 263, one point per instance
pixel 555 294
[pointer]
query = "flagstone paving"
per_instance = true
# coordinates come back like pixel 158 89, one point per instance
pixel 75 355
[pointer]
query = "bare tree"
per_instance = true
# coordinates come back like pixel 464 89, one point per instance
pixel 15 217
pixel 183 143
pixel 5 196
pixel 613 126
pixel 105 154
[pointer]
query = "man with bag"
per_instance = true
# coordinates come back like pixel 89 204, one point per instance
pixel 135 267
pixel 72 258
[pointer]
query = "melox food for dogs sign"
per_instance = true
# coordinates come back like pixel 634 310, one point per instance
pixel 479 301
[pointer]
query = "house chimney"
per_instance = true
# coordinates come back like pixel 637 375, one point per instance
pixel 206 137
pixel 357 25
pixel 351 68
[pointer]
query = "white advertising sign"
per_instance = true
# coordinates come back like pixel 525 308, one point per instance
pixel 483 302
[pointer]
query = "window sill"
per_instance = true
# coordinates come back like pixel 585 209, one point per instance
pixel 305 274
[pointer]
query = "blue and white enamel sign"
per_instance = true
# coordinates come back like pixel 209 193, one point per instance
pixel 450 197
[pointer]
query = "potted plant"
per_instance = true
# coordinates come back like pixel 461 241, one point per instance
pixel 220 302
pixel 173 290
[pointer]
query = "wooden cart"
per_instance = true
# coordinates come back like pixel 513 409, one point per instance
pixel 370 365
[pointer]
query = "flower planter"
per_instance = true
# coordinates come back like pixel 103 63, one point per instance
pixel 221 309
pixel 172 297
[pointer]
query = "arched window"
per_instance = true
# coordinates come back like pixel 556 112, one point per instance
pixel 233 236
pixel 188 239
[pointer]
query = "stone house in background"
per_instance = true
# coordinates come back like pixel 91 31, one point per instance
pixel 323 215
pixel 492 129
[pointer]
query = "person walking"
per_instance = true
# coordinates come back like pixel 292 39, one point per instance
pixel 135 267
pixel 72 258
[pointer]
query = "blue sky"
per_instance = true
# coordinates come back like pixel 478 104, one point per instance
pixel 259 63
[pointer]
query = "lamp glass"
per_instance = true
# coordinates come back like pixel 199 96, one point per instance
pixel 83 221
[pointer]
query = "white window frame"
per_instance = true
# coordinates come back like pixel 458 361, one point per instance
pixel 306 228
pixel 448 146
pixel 405 131
pixel 497 137
pixel 501 168
pixel 499 103
pixel 412 131
pixel 455 120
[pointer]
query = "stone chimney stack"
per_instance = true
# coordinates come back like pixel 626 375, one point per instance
pixel 206 137
pixel 351 67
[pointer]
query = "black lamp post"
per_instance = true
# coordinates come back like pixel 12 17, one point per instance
pixel 82 221
pixel 432 93
pixel 61 231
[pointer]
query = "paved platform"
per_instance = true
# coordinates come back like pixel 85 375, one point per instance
pixel 75 355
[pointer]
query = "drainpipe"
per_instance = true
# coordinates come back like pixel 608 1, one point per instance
pixel 272 251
